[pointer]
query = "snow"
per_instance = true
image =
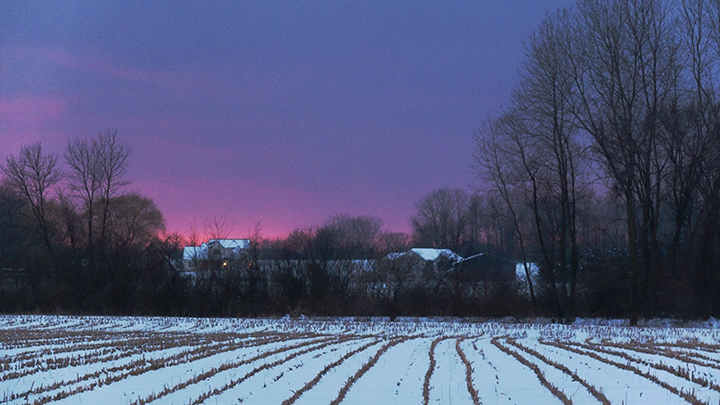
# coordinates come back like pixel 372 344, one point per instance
pixel 195 252
pixel 74 360
pixel 520 271
pixel 409 361
pixel 434 254
pixel 448 385
pixel 427 254
pixel 231 243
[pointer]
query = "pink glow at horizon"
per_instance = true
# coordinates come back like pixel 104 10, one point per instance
pixel 271 113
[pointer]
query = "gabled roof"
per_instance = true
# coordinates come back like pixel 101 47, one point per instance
pixel 195 252
pixel 231 243
pixel 428 254
pixel 434 254
pixel 153 257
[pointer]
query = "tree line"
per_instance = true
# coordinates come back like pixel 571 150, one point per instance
pixel 77 240
pixel 605 162
pixel 73 239
pixel 349 266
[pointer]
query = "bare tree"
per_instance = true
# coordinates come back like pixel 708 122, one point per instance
pixel 623 54
pixel 692 143
pixel 96 175
pixel 113 164
pixel 495 168
pixel 34 174
pixel 218 227
pixel 72 224
pixel 395 278
pixel 193 238
pixel 389 242
pixel 542 106
pixel 441 219
pixel 356 237
pixel 84 177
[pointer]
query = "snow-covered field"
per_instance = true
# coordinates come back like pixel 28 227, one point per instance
pixel 103 360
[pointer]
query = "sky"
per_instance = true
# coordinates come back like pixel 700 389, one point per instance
pixel 277 113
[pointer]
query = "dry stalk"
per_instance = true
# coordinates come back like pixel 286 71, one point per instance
pixel 319 343
pixel 678 371
pixel 430 370
pixel 310 384
pixel 233 383
pixel 547 384
pixel 140 367
pixel 688 396
pixel 98 352
pixel 468 372
pixel 696 358
pixel 591 389
pixel 367 366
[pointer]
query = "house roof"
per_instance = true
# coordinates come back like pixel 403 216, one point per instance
pixel 231 243
pixel 153 257
pixel 428 254
pixel 434 254
pixel 201 252
pixel 195 252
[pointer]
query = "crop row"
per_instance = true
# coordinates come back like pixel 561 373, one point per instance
pixel 478 365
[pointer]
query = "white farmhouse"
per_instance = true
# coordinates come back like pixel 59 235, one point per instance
pixel 214 249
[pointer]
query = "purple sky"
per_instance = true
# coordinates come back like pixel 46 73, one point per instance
pixel 277 112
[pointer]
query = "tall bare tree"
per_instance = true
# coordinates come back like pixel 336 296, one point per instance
pixel 97 169
pixel 692 142
pixel 84 177
pixel 113 162
pixel 542 106
pixel 34 174
pixel 496 167
pixel 624 58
